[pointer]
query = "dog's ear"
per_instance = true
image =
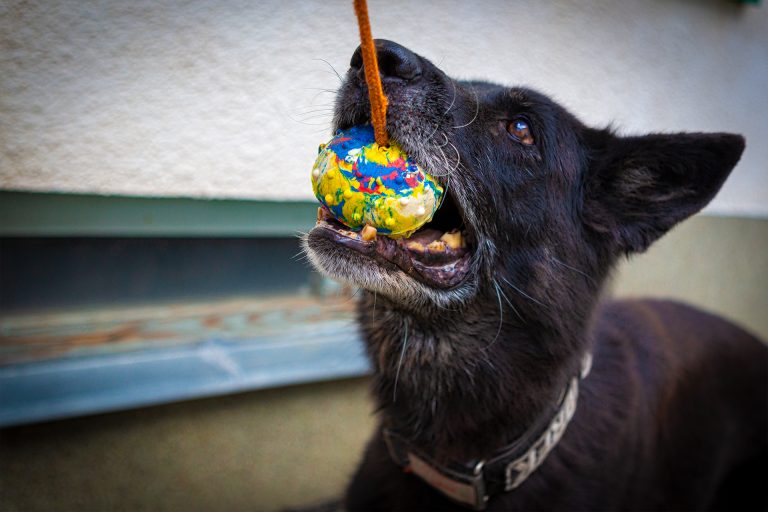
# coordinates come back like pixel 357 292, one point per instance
pixel 637 188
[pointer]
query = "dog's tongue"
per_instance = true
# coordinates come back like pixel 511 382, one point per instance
pixel 425 236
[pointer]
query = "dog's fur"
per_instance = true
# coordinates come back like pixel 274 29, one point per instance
pixel 674 413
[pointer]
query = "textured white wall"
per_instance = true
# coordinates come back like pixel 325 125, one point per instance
pixel 208 99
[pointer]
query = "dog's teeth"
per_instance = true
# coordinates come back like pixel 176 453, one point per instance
pixel 322 213
pixel 453 239
pixel 368 233
pixel 436 246
pixel 416 246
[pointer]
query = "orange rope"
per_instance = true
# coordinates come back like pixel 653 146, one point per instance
pixel 375 90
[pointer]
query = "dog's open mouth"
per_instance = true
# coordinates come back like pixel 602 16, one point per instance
pixel 438 254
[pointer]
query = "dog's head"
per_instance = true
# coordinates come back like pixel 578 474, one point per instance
pixel 544 203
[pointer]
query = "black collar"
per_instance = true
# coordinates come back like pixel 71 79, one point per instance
pixel 473 483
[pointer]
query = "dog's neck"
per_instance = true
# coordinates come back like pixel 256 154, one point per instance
pixel 457 391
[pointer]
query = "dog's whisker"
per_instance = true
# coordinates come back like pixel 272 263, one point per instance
pixel 509 302
pixel 488 157
pixel 448 171
pixel 444 143
pixel 453 100
pixel 521 292
pixel 458 157
pixel 446 164
pixel 573 268
pixel 321 91
pixel 373 313
pixel 429 137
pixel 314 109
pixel 351 297
pixel 332 68
pixel 400 361
pixel 501 317
pixel 477 111
pixel 527 230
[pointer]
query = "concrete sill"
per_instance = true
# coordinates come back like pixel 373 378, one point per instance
pixel 60 365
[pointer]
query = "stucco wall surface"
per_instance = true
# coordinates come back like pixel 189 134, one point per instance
pixel 230 99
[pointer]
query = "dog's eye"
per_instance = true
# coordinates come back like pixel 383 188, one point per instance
pixel 520 131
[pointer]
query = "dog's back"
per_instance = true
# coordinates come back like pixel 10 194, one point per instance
pixel 688 384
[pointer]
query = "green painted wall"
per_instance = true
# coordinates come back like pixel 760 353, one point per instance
pixel 51 214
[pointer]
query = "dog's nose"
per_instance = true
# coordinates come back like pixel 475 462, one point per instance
pixel 395 62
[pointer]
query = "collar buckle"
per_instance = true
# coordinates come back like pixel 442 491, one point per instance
pixel 461 484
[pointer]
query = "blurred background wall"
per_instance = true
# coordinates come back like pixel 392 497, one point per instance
pixel 229 100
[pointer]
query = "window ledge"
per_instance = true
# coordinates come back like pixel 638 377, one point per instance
pixel 84 362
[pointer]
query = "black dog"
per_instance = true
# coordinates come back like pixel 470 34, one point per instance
pixel 481 326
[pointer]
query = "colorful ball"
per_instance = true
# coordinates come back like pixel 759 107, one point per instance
pixel 363 183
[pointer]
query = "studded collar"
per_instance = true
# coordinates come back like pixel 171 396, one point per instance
pixel 473 483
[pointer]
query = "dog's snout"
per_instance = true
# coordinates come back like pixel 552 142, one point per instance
pixel 396 62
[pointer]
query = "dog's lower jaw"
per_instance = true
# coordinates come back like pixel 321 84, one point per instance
pixel 358 270
pixel 454 394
